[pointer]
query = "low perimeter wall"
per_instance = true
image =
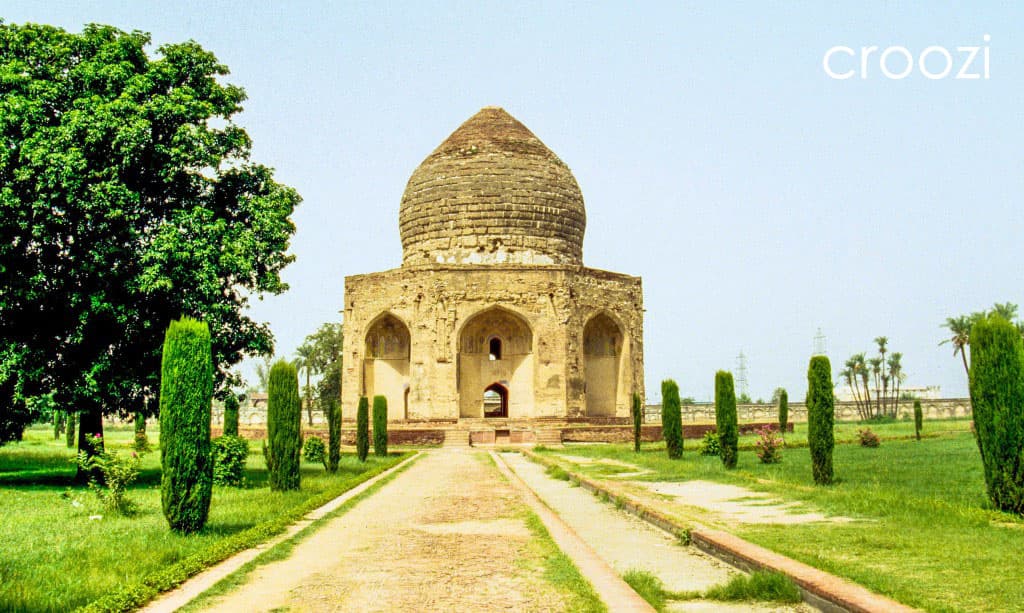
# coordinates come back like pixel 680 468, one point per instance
pixel 941 408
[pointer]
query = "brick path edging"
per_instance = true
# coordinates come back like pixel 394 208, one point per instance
pixel 820 589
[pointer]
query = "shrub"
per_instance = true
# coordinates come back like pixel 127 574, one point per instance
pixel 820 418
pixel 363 428
pixel 867 438
pixel 284 427
pixel 671 419
pixel 230 453
pixel 231 415
pixel 783 411
pixel 725 418
pixel 761 585
pixel 638 420
pixel 141 440
pixel 380 426
pixel 333 410
pixel 918 419
pixel 314 450
pixel 710 445
pixel 118 473
pixel 997 396
pixel 186 390
pixel 768 446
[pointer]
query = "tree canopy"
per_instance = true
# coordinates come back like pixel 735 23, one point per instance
pixel 127 199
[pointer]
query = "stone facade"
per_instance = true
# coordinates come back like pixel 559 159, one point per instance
pixel 492 313
pixel 931 408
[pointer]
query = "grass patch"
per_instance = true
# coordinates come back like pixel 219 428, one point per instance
pixel 562 573
pixel 760 585
pixel 557 472
pixel 53 557
pixel 928 536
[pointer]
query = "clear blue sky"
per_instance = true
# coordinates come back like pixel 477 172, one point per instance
pixel 758 198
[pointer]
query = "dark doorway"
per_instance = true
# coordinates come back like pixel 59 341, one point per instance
pixel 496 401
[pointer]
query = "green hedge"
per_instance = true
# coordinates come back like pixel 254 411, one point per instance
pixel 726 425
pixel 997 397
pixel 229 456
pixel 363 428
pixel 284 427
pixel 186 390
pixel 671 419
pixel 820 418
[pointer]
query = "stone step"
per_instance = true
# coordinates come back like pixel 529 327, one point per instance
pixel 456 438
pixel 548 436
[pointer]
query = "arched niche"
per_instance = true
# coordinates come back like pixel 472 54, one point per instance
pixel 496 345
pixel 386 363
pixel 603 342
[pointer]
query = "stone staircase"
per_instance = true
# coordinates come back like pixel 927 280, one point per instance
pixel 549 437
pixel 456 438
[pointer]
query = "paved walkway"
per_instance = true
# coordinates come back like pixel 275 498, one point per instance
pixel 446 535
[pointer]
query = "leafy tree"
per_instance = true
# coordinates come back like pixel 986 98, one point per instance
pixel 638 420
pixel 186 389
pixel 820 418
pixel 380 426
pixel 744 398
pixel 725 418
pixel 363 428
pixel 284 427
pixel 997 395
pixel 671 419
pixel 127 199
pixel 783 400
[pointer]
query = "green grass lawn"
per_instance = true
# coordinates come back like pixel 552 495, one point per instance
pixel 927 535
pixel 53 557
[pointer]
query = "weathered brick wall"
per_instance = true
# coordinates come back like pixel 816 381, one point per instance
pixel 941 408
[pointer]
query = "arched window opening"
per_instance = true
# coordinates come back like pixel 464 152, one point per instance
pixel 494 347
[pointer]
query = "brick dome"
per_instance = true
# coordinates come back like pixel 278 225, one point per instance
pixel 492 193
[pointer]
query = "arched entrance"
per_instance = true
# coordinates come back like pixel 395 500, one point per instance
pixel 496 401
pixel 602 353
pixel 386 363
pixel 496 345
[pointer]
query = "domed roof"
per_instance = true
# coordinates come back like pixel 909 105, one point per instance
pixel 492 193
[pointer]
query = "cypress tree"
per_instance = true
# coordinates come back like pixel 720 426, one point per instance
pixel 671 419
pixel 141 440
pixel 725 418
pixel 638 419
pixel 69 430
pixel 380 426
pixel 997 396
pixel 284 427
pixel 231 415
pixel 363 428
pixel 186 390
pixel 820 418
pixel 333 409
pixel 783 411
pixel 918 418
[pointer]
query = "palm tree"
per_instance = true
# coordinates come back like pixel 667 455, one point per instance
pixel 1006 310
pixel 861 367
pixel 849 374
pixel 960 328
pixel 263 372
pixel 897 376
pixel 882 341
pixel 305 361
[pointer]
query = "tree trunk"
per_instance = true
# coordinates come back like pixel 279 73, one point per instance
pixel 90 423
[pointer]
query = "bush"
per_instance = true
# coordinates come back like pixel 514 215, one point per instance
pixel 783 411
pixel 820 418
pixel 314 450
pixel 725 418
pixel 638 420
pixel 380 426
pixel 918 419
pixel 363 428
pixel 118 473
pixel 997 396
pixel 284 427
pixel 710 445
pixel 141 440
pixel 186 390
pixel 230 453
pixel 768 446
pixel 333 410
pixel 867 438
pixel 231 415
pixel 671 419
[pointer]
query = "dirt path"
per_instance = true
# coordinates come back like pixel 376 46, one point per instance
pixel 628 543
pixel 447 534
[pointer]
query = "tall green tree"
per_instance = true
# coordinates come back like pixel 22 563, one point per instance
pixel 363 428
pixel 726 419
pixel 284 427
pixel 380 426
pixel 637 411
pixel 997 396
pixel 820 418
pixel 783 400
pixel 127 199
pixel 671 419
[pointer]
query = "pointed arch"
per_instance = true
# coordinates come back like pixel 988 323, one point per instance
pixel 386 354
pixel 603 345
pixel 495 347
